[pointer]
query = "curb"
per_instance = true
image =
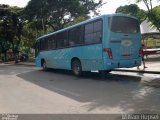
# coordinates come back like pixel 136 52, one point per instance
pixel 150 72
pixel 122 70
pixel 26 64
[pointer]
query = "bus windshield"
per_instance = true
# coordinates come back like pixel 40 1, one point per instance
pixel 123 24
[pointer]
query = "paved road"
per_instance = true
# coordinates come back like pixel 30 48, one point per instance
pixel 26 89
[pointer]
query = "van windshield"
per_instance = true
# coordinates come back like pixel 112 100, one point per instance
pixel 123 24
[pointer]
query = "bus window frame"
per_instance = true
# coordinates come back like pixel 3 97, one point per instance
pixel 67 30
pixel 100 41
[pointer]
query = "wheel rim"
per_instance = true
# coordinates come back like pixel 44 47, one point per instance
pixel 44 65
pixel 76 68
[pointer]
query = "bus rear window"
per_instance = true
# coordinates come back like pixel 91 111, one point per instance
pixel 122 24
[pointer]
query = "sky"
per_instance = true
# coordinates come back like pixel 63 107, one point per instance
pixel 109 8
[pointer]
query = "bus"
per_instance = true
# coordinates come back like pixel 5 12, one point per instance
pixel 99 44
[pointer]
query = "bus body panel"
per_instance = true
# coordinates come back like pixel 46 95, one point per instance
pixel 124 46
pixel 38 59
pixel 61 58
pixel 92 57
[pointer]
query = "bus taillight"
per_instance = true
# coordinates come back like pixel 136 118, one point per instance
pixel 108 51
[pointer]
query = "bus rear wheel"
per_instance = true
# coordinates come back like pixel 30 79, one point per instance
pixel 77 68
pixel 44 66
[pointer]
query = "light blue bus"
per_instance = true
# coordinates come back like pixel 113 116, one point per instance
pixel 99 44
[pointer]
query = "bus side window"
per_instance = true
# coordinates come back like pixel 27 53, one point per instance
pixel 79 35
pixel 93 32
pixel 44 44
pixel 88 33
pixel 71 37
pixel 62 41
pixel 41 44
pixel 38 46
pixel 49 43
pixel 97 31
pixel 76 36
pixel 45 41
pixel 53 44
pixel 97 37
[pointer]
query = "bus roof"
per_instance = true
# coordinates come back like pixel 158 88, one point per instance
pixel 84 22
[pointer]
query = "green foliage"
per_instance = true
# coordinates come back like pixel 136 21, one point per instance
pixel 19 27
pixel 152 13
pixel 132 10
pixel 77 20
pixel 58 13
pixel 156 17
pixel 10 28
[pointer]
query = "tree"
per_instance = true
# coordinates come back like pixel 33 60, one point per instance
pixel 132 10
pixel 156 16
pixel 77 20
pixel 31 31
pixel 5 35
pixel 148 4
pixel 10 28
pixel 58 13
pixel 150 14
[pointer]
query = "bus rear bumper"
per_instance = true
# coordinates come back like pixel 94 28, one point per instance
pixel 123 64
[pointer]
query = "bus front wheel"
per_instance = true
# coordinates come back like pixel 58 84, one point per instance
pixel 77 68
pixel 44 66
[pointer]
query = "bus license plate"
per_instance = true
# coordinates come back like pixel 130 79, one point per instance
pixel 127 56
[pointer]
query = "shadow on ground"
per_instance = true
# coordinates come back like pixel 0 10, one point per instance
pixel 12 69
pixel 115 92
pixel 153 58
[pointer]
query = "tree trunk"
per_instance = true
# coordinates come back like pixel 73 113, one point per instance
pixel 5 56
pixel 16 57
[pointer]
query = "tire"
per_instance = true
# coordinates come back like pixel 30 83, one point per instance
pixel 44 66
pixel 76 68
